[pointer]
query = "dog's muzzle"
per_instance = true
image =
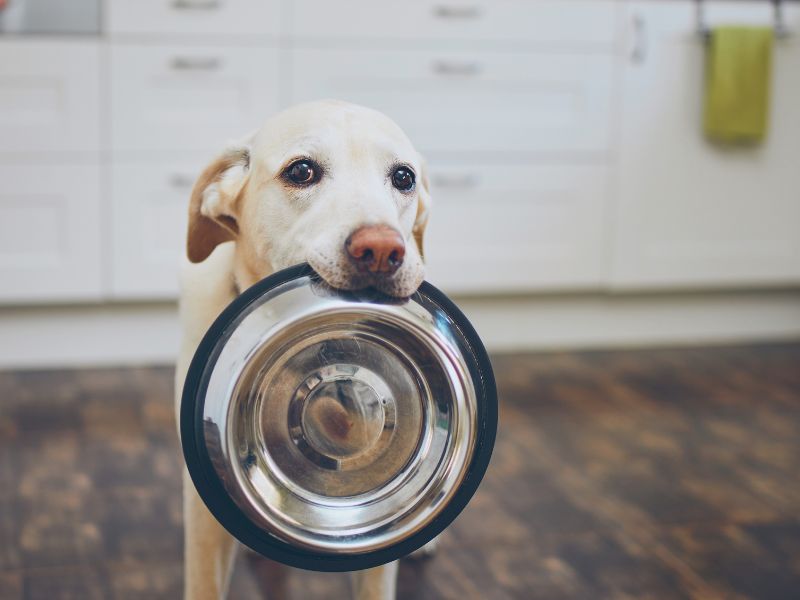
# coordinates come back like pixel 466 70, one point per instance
pixel 335 430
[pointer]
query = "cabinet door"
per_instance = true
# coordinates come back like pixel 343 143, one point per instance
pixel 50 233
pixel 149 219
pixel 458 102
pixel 545 21
pixel 213 17
pixel 185 98
pixel 49 96
pixel 690 213
pixel 517 228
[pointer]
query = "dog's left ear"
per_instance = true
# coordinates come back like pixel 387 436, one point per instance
pixel 215 201
pixel 423 207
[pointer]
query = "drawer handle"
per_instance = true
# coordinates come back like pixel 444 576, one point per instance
pixel 639 50
pixel 188 63
pixel 195 4
pixel 450 68
pixel 464 181
pixel 456 12
pixel 181 181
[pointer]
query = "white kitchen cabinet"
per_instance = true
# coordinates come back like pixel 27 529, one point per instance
pixel 50 236
pixel 148 225
pixel 501 21
pixel 457 102
pixel 688 213
pixel 49 96
pixel 516 228
pixel 210 17
pixel 185 98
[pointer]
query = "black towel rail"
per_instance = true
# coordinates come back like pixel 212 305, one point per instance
pixel 704 31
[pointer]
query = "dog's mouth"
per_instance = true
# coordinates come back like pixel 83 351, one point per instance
pixel 366 283
pixel 400 284
pixel 368 293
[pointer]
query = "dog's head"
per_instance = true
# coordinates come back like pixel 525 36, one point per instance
pixel 337 185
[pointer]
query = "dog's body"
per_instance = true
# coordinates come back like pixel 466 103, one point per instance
pixel 333 184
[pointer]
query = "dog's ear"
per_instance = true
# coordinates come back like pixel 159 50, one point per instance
pixel 423 208
pixel 215 200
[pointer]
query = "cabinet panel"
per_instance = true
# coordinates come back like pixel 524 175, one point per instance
pixel 690 213
pixel 214 17
pixel 50 243
pixel 150 208
pixel 189 97
pixel 49 96
pixel 517 228
pixel 560 22
pixel 487 102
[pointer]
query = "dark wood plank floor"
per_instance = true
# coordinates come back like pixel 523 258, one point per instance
pixel 639 474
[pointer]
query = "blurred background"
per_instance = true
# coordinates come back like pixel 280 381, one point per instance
pixel 593 190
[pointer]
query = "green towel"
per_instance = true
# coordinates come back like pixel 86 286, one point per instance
pixel 738 70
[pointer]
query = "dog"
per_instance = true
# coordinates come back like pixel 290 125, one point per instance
pixel 336 185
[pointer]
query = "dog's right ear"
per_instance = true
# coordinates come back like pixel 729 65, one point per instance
pixel 215 201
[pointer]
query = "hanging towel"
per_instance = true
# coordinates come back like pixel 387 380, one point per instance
pixel 738 73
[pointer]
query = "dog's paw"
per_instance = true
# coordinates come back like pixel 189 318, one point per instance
pixel 427 551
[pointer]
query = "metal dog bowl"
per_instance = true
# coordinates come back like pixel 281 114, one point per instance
pixel 334 430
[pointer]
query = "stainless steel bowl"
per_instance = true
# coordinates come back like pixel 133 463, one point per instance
pixel 336 430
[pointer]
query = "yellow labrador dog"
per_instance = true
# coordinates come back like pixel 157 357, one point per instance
pixel 337 185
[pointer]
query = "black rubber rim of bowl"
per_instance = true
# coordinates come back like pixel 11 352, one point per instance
pixel 228 513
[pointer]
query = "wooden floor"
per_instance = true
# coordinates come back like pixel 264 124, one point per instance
pixel 658 474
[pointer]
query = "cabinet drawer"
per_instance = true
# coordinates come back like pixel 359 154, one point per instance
pixel 212 17
pixel 517 228
pixel 149 219
pixel 450 102
pixel 50 233
pixel 49 96
pixel 574 21
pixel 189 97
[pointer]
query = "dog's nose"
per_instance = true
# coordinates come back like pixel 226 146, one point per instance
pixel 376 248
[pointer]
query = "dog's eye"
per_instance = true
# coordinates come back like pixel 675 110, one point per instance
pixel 302 172
pixel 403 179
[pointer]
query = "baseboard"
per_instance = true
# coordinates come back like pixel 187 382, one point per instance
pixel 98 335
pixel 631 320
pixel 135 334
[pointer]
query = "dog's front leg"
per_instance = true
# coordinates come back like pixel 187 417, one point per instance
pixel 379 583
pixel 209 550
